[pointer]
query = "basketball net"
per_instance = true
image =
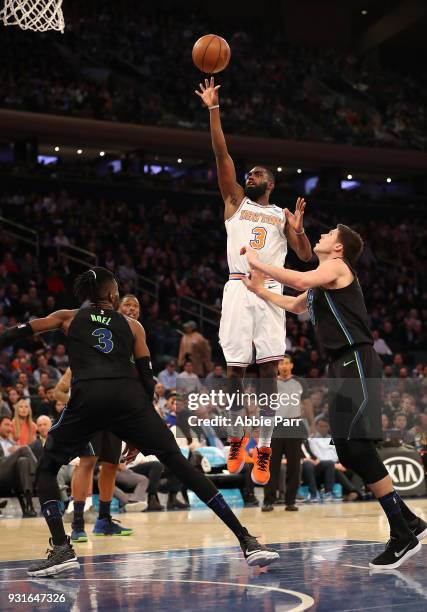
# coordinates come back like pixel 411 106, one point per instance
pixel 37 15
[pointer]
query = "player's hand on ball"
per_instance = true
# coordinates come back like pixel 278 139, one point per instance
pixel 296 219
pixel 208 92
pixel 255 281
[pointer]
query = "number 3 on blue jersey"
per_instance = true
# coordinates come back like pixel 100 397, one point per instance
pixel 105 344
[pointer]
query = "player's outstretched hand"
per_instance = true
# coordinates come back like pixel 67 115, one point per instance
pixel 296 219
pixel 255 282
pixel 129 453
pixel 208 92
pixel 251 256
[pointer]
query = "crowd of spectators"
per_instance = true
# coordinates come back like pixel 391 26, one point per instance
pixel 181 248
pixel 115 63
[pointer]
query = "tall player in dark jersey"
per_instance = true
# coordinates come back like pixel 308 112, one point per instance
pixel 112 384
pixel 334 299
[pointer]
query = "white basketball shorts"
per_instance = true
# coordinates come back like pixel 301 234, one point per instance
pixel 247 321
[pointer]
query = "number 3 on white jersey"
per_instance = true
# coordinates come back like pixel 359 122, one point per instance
pixel 260 234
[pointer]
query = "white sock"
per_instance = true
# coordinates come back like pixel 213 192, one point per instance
pixel 265 435
pixel 70 508
pixel 88 502
pixel 236 430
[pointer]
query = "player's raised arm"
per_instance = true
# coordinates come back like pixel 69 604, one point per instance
pixel 295 232
pixel 37 326
pixel 232 193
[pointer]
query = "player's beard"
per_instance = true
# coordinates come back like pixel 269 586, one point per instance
pixel 255 192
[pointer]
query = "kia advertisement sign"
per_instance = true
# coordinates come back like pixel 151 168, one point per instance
pixel 406 473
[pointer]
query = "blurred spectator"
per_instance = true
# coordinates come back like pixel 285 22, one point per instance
pixel 187 380
pixel 43 424
pixel 392 405
pixel 24 428
pixel 43 402
pixel 196 348
pixel 61 358
pixel 409 407
pixel 320 445
pixel 152 469
pixel 5 409
pixel 419 431
pixel 17 468
pixel 130 489
pixel 57 411
pixel 44 368
pixel 168 376
pixel 12 398
pixel 216 379
pixel 401 423
pixel 160 398
pixel 385 421
pixel 318 468
pixel 25 390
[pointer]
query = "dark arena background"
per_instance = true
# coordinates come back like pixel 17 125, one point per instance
pixel 106 160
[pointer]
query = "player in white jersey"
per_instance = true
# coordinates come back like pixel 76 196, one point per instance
pixel 246 321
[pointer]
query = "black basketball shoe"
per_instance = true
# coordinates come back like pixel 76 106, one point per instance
pixel 60 559
pixel 418 528
pixel 398 550
pixel 256 553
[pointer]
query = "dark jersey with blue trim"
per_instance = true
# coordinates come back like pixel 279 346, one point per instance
pixel 100 345
pixel 339 316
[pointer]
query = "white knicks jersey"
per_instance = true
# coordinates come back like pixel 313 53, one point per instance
pixel 262 228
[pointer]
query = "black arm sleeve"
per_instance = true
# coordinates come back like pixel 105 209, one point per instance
pixel 145 371
pixel 13 334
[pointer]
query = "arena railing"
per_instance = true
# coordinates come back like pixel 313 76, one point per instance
pixel 77 254
pixel 21 233
pixel 203 314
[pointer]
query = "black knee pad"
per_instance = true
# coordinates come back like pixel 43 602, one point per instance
pixel 45 482
pixel 362 457
pixel 344 453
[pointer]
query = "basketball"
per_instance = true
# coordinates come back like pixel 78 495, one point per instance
pixel 211 53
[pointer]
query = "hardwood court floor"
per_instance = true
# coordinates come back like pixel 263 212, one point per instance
pixel 187 561
pixel 27 538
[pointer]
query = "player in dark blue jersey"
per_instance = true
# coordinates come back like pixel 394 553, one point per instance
pixel 112 386
pixel 334 299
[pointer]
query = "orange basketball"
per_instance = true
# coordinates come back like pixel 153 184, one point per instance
pixel 211 53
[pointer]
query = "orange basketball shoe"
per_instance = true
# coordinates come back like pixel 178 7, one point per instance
pixel 261 470
pixel 236 456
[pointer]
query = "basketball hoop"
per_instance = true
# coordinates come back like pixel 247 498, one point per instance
pixel 36 15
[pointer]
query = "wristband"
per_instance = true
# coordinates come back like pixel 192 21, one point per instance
pixel 214 106
pixel 143 365
pixel 11 335
pixel 300 233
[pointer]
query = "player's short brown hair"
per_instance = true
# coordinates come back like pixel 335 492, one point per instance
pixel 352 243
